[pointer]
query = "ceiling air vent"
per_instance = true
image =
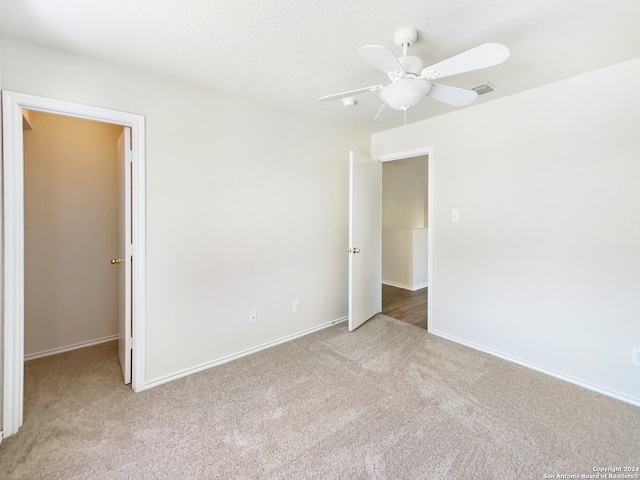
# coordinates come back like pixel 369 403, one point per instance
pixel 483 88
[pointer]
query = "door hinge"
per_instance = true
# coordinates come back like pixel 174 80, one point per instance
pixel 129 343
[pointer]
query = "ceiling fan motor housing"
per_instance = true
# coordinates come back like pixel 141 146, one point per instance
pixel 411 64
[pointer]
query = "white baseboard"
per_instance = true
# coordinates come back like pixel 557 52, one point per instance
pixel 75 346
pixel 413 288
pixel 244 353
pixel 537 368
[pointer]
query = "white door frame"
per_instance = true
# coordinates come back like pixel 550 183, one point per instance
pixel 13 235
pixel 417 152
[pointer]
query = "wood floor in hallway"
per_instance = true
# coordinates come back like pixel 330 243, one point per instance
pixel 405 305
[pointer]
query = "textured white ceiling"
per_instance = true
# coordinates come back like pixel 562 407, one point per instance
pixel 290 52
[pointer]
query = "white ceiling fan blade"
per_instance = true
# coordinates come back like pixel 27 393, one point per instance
pixel 454 96
pixel 350 93
pixel 382 58
pixel 485 55
pixel 383 113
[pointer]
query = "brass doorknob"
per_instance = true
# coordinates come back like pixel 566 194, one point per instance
pixel 115 261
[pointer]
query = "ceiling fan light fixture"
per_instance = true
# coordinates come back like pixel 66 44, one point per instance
pixel 405 93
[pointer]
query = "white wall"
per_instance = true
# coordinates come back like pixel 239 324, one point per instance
pixel 246 207
pixel 397 257
pixel 1 280
pixel 404 193
pixel 405 253
pixel 71 232
pixel 543 265
pixel 420 271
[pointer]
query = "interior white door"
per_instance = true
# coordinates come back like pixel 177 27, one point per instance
pixel 124 260
pixel 365 239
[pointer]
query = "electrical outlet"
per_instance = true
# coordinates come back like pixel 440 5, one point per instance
pixel 296 306
pixel 635 356
pixel 253 316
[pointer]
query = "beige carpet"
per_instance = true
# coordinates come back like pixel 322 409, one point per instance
pixel 387 401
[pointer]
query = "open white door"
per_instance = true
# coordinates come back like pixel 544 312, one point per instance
pixel 365 239
pixel 124 260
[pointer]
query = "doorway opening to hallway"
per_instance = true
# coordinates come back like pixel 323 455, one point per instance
pixel 405 239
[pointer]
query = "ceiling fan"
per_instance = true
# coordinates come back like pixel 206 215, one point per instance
pixel 410 80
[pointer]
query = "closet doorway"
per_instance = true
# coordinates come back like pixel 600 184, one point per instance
pixel 14 105
pixel 71 231
pixel 72 228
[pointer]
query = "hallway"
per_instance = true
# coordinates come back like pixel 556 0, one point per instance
pixel 405 305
